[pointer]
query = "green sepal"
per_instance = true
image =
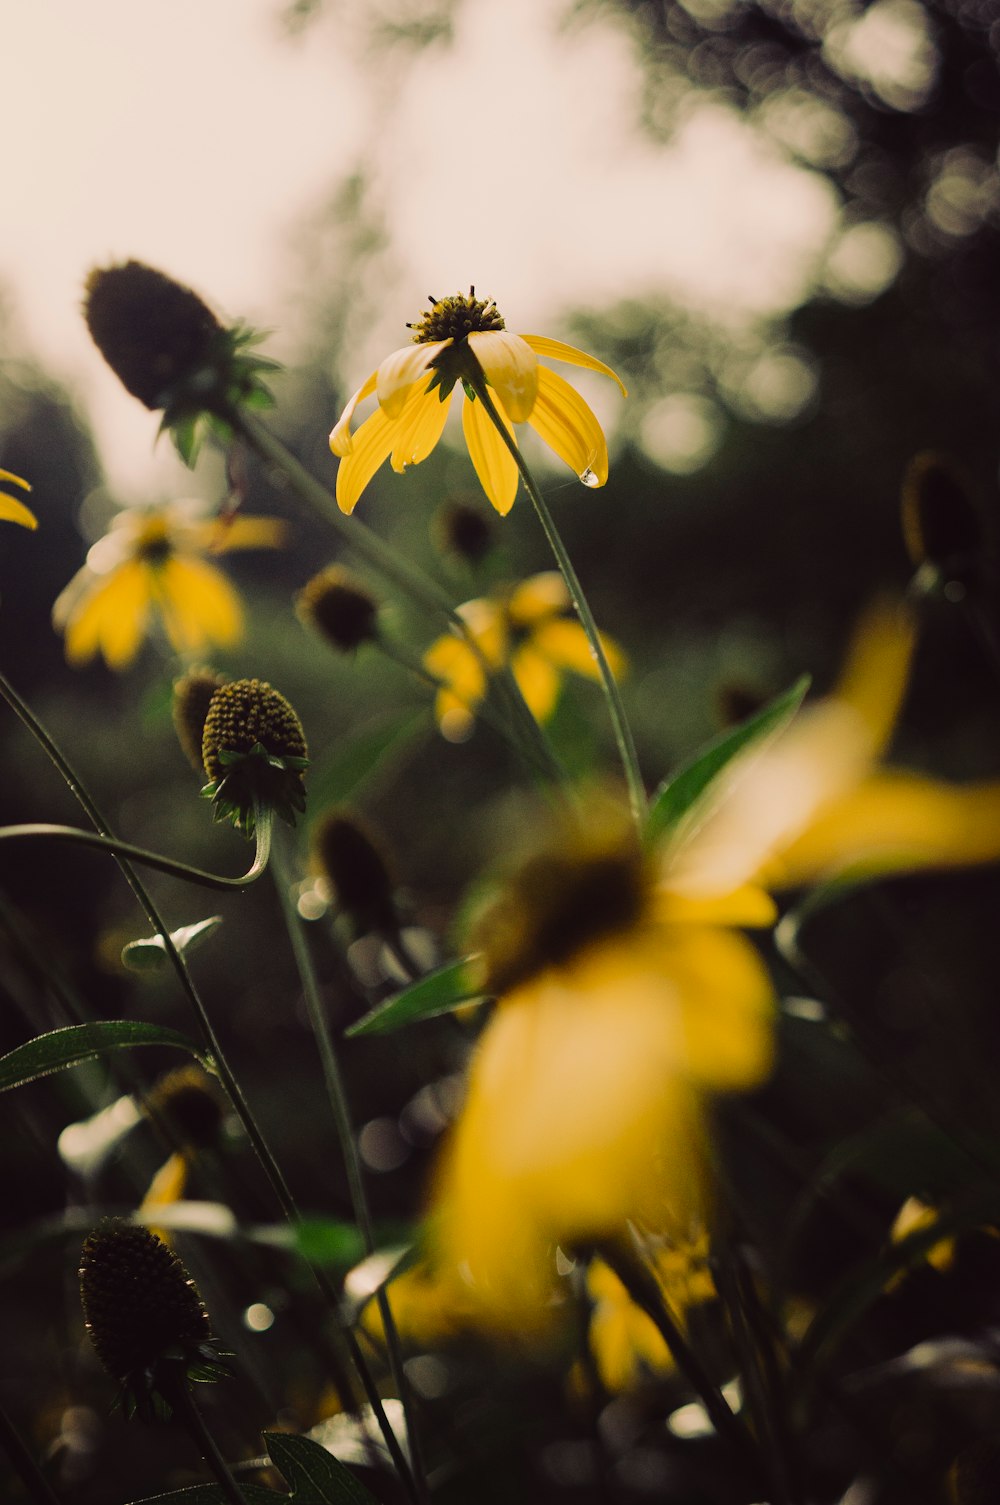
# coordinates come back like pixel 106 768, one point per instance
pixel 677 796
pixel 255 778
pixel 440 992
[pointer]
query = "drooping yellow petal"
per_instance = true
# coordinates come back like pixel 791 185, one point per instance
pixel 8 475
pixel 623 1339
pixel 748 907
pixel 566 644
pixel 511 368
pixel 539 596
pixel 420 425
pixel 726 1005
pixel 398 372
pixel 198 605
pixel 556 350
pixel 166 1188
pixel 566 424
pixel 242 532
pixel 538 681
pixel 455 663
pixel 113 617
pixel 371 446
pixel 873 679
pixel 494 464
pixel 895 822
pixel 341 438
pixel 485 620
pixel 13 511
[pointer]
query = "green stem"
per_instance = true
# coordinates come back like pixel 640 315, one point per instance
pixel 184 1408
pixel 148 859
pixel 616 710
pixel 355 1179
pixel 408 578
pixel 645 1292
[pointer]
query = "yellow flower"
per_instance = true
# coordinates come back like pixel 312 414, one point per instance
pixel 12 510
pixel 815 805
pixel 527 628
pixel 622 1004
pixel 462 341
pixel 625 1342
pixel 153 561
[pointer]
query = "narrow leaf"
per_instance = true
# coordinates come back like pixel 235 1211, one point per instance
pixel 150 953
pixel 81 1042
pixel 314 1475
pixel 437 993
pixel 677 795
pixel 212 1494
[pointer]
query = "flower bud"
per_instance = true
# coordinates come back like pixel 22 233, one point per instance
pixel 357 872
pixel 339 608
pixel 254 752
pixel 144 1316
pixel 192 697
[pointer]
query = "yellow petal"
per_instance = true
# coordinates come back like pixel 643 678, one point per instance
pixel 398 372
pixel 747 907
pixel 566 644
pixel 873 679
pixel 198 605
pixel 537 597
pixel 453 662
pixel 895 822
pixel 538 681
pixel 241 532
pixel 341 439
pixel 420 425
pixel 13 511
pixel 487 624
pixel 168 1184
pixel 555 350
pixel 511 368
pixel 564 421
pixel 726 1006
pixel 113 618
pixel 493 462
pixel 8 475
pixel 370 448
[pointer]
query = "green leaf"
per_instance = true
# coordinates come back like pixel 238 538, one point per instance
pixel 325 1241
pixel 676 796
pixel 150 953
pixel 211 1494
pixel 333 781
pixel 80 1042
pixel 314 1475
pixel 437 993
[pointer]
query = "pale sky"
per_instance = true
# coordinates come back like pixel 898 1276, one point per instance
pixel 199 137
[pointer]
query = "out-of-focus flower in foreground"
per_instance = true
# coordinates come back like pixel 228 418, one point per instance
pixel 12 510
pixel 463 341
pixel 154 565
pixel 622 1006
pixel 528 628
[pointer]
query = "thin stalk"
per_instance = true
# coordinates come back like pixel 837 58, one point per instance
pixel 31 1476
pixel 186 1412
pixel 408 578
pixel 616 710
pixel 337 1095
pixel 645 1292
pixel 155 860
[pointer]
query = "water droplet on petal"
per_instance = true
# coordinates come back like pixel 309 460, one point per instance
pixel 589 478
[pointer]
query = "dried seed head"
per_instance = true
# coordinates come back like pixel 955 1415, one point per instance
pixel 941 523
pixel 145 1318
pixel 463 530
pixel 254 752
pixel 339 608
pixel 152 331
pixel 192 697
pixel 357 872
pixel 188 1105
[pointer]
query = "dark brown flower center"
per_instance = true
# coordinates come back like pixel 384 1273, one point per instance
pixel 455 318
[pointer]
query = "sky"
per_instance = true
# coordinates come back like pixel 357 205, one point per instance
pixel 202 137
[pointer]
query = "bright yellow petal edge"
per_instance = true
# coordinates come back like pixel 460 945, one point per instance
pixel 12 510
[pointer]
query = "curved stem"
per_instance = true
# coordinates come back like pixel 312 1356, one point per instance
pixel 355 1179
pixel 148 859
pixel 616 710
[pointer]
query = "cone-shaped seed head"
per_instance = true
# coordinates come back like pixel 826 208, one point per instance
pixel 152 331
pixel 192 697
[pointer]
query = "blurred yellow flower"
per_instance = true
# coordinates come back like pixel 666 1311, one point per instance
pixel 915 1216
pixel 462 341
pixel 153 563
pixel 527 628
pixel 621 1006
pixel 814 804
pixel 626 1344
pixel 11 509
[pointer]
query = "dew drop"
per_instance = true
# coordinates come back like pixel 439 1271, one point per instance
pixel 589 478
